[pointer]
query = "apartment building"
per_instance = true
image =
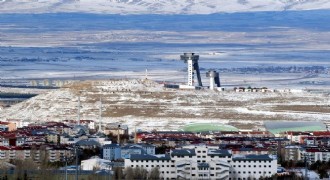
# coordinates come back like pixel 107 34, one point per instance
pixel 206 162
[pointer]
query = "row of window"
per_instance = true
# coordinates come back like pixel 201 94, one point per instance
pixel 249 161
pixel 152 161
pixel 154 166
pixel 249 172
pixel 250 165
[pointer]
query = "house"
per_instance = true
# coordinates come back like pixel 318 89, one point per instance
pixel 7 126
pixel 115 129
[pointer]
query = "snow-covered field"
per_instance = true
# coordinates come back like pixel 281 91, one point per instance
pixel 43 46
pixel 147 105
pixel 159 6
pixel 38 44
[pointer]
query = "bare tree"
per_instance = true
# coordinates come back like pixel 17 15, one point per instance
pixel 140 173
pixel 129 173
pixel 154 174
pixel 118 173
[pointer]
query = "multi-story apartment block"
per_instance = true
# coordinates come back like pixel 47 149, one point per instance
pixel 52 154
pixel 293 153
pixel 206 162
pixel 313 154
pixel 114 151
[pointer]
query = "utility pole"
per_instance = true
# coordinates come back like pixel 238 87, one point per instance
pixel 76 151
pixel 66 168
pixel 78 113
pixel 118 134
pixel 100 114
pixel 306 169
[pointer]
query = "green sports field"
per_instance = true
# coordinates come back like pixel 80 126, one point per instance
pixel 277 127
pixel 202 127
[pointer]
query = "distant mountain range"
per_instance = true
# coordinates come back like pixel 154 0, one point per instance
pixel 158 6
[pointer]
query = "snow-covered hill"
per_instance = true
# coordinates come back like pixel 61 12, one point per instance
pixel 147 105
pixel 157 6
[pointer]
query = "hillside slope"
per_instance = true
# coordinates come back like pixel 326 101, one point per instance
pixel 146 104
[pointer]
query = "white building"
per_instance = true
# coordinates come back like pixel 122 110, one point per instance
pixel 206 162
pixel 252 166
pixel 315 154
pixel 95 163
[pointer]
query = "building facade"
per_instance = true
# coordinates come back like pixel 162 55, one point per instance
pixel 206 162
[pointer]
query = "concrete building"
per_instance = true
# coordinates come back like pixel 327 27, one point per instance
pixel 314 154
pixel 114 151
pixel 206 162
pixel 111 152
pixel 292 152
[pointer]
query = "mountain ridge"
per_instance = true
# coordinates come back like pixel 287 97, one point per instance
pixel 157 6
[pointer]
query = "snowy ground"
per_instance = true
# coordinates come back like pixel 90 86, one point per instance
pixel 42 46
pixel 147 105
pixel 159 6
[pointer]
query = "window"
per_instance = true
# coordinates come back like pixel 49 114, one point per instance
pixel 193 174
pixel 212 175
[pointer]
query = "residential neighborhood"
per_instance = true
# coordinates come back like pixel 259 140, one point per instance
pixel 82 148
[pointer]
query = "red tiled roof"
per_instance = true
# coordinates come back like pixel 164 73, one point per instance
pixel 321 133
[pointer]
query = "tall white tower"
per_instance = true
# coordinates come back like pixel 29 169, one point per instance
pixel 214 78
pixel 192 60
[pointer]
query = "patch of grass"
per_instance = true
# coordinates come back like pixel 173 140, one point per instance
pixel 201 127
